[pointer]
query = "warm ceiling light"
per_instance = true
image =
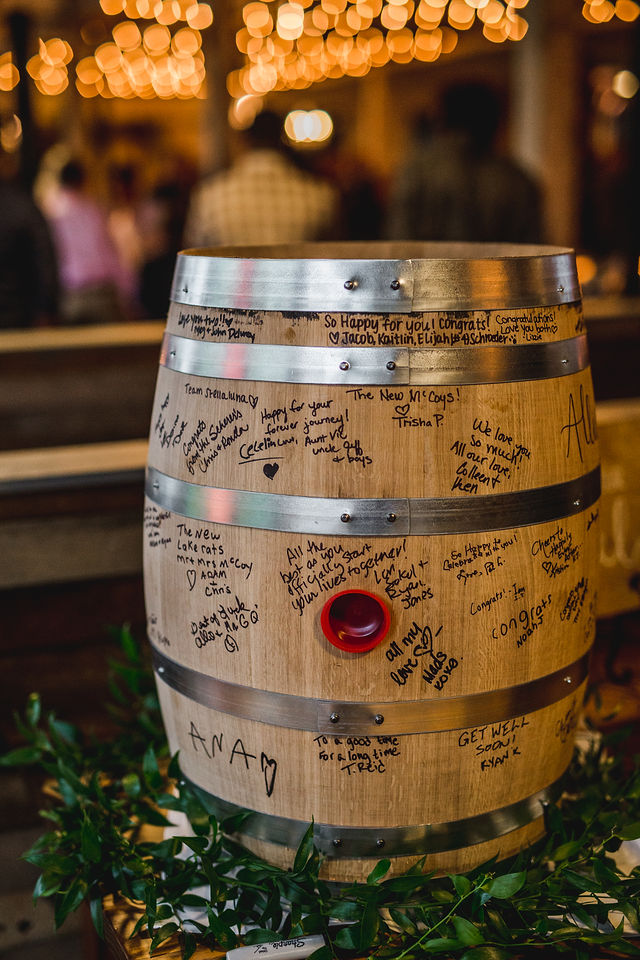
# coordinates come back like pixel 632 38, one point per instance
pixel 494 34
pixel 149 9
pixel 627 10
pixel 34 66
pixel 200 16
pixel 181 7
pixel 108 57
pixel 460 15
pixel 156 38
pixel 88 90
pixel 369 9
pixel 312 126
pixel 515 26
pixel 112 7
pixel 88 71
pixel 126 35
pixel 262 78
pixel 428 45
pixel 309 46
pixel 55 51
pixel 290 21
pixel 602 11
pixel 393 18
pixel 625 84
pixel 256 16
pixel 167 15
pixel 449 40
pixel 186 42
pixel 492 13
pixel 9 74
pixel 400 41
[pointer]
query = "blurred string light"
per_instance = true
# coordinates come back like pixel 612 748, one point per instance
pixel 291 44
pixel 161 57
pixel 601 11
pixel 9 75
pixel 155 51
pixel 308 126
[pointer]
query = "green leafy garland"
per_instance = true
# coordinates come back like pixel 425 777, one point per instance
pixel 558 894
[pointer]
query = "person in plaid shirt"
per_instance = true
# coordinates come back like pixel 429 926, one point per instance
pixel 262 198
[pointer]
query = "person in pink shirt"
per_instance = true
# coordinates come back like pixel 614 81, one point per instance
pixel 96 286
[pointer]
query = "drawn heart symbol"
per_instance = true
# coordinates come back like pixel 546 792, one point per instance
pixel 191 579
pixel 270 470
pixel 269 768
pixel 334 336
pixel 402 409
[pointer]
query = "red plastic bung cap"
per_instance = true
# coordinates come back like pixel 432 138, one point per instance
pixel 355 621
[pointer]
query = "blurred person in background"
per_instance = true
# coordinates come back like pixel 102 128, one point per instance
pixel 360 214
pixel 122 218
pixel 456 186
pixel 161 219
pixel 262 198
pixel 28 269
pixel 96 286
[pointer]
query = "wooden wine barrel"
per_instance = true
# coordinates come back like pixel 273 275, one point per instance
pixel 371 543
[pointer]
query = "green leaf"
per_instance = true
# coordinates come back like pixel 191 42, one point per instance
pixel 150 769
pixel 33 710
pixel 467 932
pixel 164 933
pixel 507 885
pixel 368 927
pixel 322 953
pixel 462 885
pixel 304 851
pixel 379 871
pixel 347 939
pixel 402 920
pixel 189 946
pixel 630 832
pixel 90 843
pixel 440 945
pixel 97 915
pixel 21 757
pixel 45 886
pixel 346 910
pixel 486 952
pixel 567 850
pixel 131 784
pixel 69 902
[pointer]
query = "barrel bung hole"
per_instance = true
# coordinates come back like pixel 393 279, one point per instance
pixel 355 621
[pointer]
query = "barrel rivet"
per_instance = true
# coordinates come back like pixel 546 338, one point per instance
pixel 160 670
pixel 337 842
pixel 172 353
pixel 155 485
pixel 185 289
pixel 380 843
pixel 560 289
pixel 577 502
pixel 391 518
pixel 391 365
pixel 568 679
pixel 350 284
pixel 564 360
pixel 395 284
pixel 334 717
pixel 379 719
pixel 345 517
pixel 345 365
